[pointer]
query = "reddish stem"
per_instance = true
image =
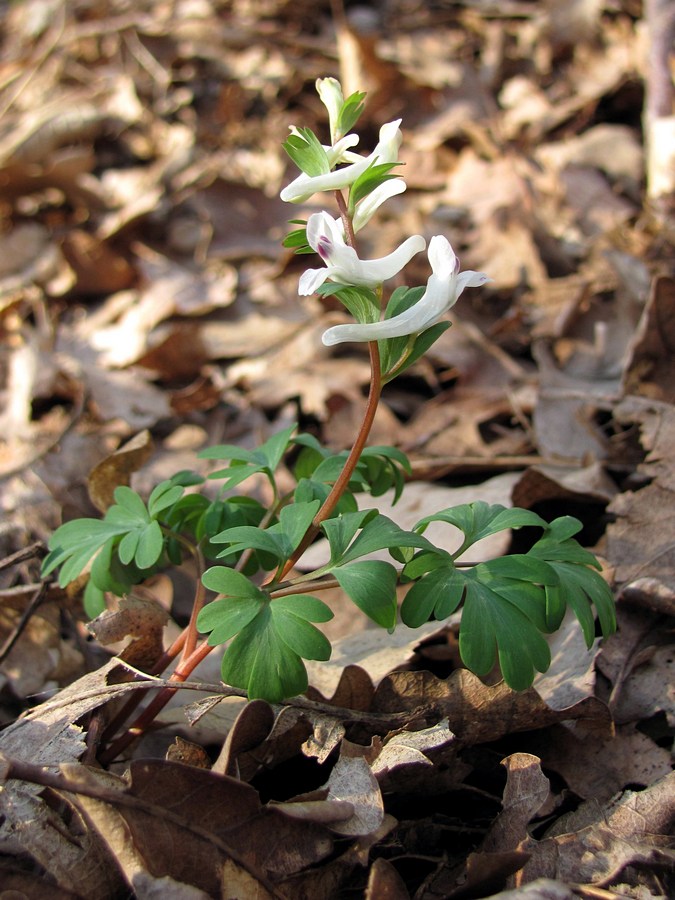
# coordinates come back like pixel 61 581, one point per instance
pixel 344 478
pixel 152 710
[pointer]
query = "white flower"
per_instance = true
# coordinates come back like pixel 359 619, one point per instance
pixel 386 151
pixel 330 93
pixel 442 292
pixel 367 207
pixel 325 236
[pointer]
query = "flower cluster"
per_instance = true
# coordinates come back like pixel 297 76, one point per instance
pixel 370 182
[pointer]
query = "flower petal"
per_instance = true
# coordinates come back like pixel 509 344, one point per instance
pixel 368 206
pixel 375 271
pixel 471 279
pixel 304 186
pixel 310 280
pixel 442 291
pixel 336 153
pixel 442 257
pixel 330 94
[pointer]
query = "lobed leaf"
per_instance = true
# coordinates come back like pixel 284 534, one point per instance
pixel 479 520
pixel 371 585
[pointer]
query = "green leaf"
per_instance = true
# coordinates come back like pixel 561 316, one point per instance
pixel 163 496
pixel 392 349
pixel 490 625
pixel 228 451
pixel 361 302
pixel 245 463
pixel 150 546
pixel 439 592
pixel 280 540
pixel 225 618
pixel 294 521
pixel 478 520
pixel 93 600
pixel 297 633
pixel 272 451
pixel 75 543
pixel 371 585
pixel 187 478
pixel 296 240
pixel 380 533
pixel 247 537
pixel 422 343
pixel 130 502
pixel 389 453
pixel 306 606
pixel 128 546
pixel 581 587
pixel 227 581
pixel 350 112
pixel 260 662
pixel 365 184
pixel 305 149
pixel 340 531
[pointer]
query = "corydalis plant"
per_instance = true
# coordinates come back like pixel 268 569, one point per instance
pixel 261 608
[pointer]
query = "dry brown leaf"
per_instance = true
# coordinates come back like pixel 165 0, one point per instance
pixel 116 469
pixel 476 712
pixel 407 762
pixel 640 542
pixel 368 650
pixel 140 617
pixel 384 882
pixel 352 781
pixel 571 676
pixel 481 872
pixel 251 727
pixel 650 371
pixel 541 889
pixel 526 791
pixel 185 822
pixel 597 768
pixel 630 830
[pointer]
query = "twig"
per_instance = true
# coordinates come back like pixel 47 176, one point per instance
pixel 6 648
pixel 61 781
pixel 36 549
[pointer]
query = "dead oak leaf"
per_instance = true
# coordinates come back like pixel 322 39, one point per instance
pixel 185 822
pixel 630 830
pixel 476 712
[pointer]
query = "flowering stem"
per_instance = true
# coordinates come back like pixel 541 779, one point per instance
pixel 351 462
pixel 152 710
pixel 346 219
pixel 200 598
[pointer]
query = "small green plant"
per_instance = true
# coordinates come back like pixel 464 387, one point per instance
pixel 246 553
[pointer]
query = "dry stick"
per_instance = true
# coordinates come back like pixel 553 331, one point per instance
pixel 6 648
pixel 82 783
pixel 152 710
pixel 36 549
